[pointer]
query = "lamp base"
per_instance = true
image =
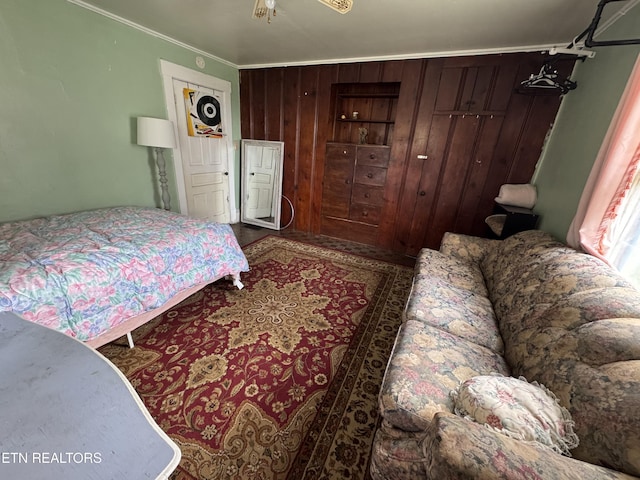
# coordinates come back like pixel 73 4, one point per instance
pixel 162 174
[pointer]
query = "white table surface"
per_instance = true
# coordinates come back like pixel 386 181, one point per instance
pixel 66 412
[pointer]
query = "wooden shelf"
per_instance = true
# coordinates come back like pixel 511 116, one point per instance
pixel 376 104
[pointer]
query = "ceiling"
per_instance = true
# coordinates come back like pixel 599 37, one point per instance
pixel 308 32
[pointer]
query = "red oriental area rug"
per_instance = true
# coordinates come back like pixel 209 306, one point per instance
pixel 277 380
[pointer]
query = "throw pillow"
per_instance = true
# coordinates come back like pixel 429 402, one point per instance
pixel 515 407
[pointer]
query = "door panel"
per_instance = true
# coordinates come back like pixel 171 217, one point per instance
pixel 262 174
pixel 204 166
pixel 470 204
pixel 453 177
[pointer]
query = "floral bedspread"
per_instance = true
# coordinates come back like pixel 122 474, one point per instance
pixel 86 272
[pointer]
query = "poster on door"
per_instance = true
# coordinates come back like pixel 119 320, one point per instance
pixel 204 115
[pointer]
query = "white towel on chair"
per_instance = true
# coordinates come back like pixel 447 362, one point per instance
pixel 523 195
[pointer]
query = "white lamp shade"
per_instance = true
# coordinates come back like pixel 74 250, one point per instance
pixel 156 132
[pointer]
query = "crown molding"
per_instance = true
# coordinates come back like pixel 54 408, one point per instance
pixel 151 32
pixel 405 56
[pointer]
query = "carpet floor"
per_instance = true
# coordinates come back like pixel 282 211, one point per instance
pixel 278 380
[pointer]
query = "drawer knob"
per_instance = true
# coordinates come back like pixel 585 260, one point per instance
pixel 423 193
pixel 367 195
pixel 347 181
pixel 365 213
pixel 369 175
pixel 372 156
pixel 345 152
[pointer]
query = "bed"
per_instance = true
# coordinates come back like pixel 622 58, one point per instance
pixel 97 275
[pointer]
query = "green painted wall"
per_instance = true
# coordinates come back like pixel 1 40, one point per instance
pixel 581 125
pixel 72 83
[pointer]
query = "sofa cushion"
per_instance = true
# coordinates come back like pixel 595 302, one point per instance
pixel 458 449
pixel 594 370
pixel 425 365
pixel 570 313
pixel 453 271
pixel 466 247
pixel 397 454
pixel 459 311
pixel 500 259
pixel 517 408
pixel 550 278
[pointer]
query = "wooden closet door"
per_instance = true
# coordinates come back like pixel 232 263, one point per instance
pixel 469 138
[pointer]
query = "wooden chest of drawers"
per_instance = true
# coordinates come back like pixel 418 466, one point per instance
pixel 353 190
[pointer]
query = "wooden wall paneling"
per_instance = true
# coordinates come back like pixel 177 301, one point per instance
pixel 370 72
pixel 410 88
pixel 337 180
pixel 467 85
pixel 258 97
pixel 496 82
pixel 539 117
pixel 327 76
pixel 413 211
pixel 505 81
pixel 306 146
pixel 448 98
pixel 539 120
pixel 465 94
pixel 526 124
pixel 513 132
pixel 349 72
pixel 290 132
pixel 411 234
pixel 453 178
pixel 538 124
pixel 483 87
pixel 273 104
pixel 392 71
pixel 470 220
pixel 245 104
pixel 507 146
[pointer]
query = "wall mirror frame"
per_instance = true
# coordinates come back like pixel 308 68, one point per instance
pixel 261 183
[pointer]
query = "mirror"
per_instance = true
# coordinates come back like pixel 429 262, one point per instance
pixel 261 182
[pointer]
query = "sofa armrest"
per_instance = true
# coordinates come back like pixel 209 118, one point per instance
pixel 456 449
pixel 466 247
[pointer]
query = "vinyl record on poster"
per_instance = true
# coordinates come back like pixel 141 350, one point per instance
pixel 208 109
pixel 204 113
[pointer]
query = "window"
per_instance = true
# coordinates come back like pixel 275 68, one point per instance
pixel 607 223
pixel 624 233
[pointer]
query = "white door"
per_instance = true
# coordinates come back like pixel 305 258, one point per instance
pixel 204 166
pixel 261 162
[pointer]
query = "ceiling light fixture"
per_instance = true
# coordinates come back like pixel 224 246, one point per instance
pixel 341 6
pixel 264 9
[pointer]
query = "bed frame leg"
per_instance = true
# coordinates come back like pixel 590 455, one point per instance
pixel 237 282
pixel 130 340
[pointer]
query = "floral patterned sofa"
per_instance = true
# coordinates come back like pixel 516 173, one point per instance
pixel 526 306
